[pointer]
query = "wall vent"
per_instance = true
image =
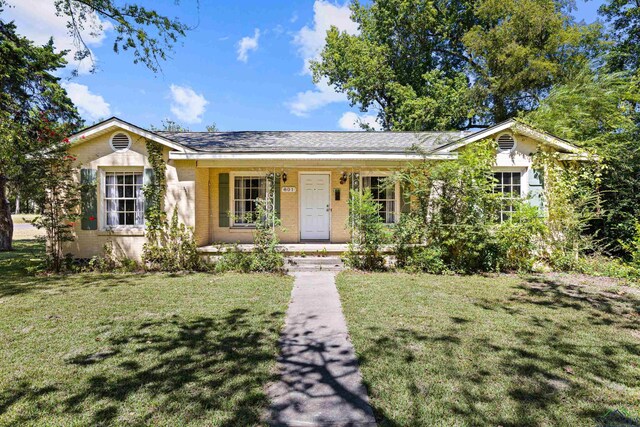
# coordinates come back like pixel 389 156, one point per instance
pixel 506 142
pixel 120 142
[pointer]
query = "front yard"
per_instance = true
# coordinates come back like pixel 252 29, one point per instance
pixel 504 350
pixel 108 349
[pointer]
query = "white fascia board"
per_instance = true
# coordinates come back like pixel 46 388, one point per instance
pixel 519 128
pixel 77 138
pixel 476 137
pixel 306 156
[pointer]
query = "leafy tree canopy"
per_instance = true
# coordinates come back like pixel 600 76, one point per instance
pixel 624 19
pixel 29 95
pixel 598 110
pixel 435 64
pixel 149 35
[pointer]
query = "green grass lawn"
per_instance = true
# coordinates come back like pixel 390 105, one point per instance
pixel 139 349
pixel 504 350
pixel 22 218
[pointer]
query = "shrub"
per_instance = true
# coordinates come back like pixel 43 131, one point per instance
pixel 632 247
pixel 173 249
pixel 520 239
pixel 453 209
pixel 265 257
pixel 111 261
pixel 425 259
pixel 368 233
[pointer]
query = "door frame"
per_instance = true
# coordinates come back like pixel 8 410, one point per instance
pixel 300 175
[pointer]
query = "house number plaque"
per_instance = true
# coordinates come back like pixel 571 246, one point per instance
pixel 288 189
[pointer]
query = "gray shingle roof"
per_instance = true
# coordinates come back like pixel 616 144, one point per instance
pixel 302 141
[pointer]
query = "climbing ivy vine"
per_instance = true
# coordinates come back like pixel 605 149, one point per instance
pixel 154 191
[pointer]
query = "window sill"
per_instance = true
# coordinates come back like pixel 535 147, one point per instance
pixel 245 229
pixel 122 232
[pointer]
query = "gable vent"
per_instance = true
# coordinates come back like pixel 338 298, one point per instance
pixel 120 142
pixel 506 142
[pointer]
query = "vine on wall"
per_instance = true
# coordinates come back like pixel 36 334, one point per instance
pixel 170 245
pixel 154 191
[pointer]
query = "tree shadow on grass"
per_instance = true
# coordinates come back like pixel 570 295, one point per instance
pixel 545 370
pixel 18 273
pixel 174 370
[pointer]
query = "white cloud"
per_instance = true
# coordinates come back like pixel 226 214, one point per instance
pixel 310 42
pixel 305 102
pixel 351 121
pixel 186 104
pixel 247 44
pixel 89 104
pixel 37 20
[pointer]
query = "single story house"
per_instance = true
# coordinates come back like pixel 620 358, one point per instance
pixel 214 178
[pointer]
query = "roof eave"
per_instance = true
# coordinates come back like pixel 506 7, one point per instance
pixel 103 126
pixel 516 127
pixel 307 156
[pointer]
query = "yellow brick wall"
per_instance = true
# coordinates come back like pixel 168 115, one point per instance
pixel 182 185
pixel 289 207
pixel 193 191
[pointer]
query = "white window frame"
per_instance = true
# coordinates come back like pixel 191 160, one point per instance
pixel 232 195
pixel 523 182
pixel 385 174
pixel 102 208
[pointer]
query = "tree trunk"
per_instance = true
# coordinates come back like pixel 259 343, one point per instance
pixel 6 224
pixel 17 204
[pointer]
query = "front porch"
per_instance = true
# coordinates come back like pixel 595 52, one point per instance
pixel 288 249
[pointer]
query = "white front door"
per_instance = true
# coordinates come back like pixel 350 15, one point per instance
pixel 314 207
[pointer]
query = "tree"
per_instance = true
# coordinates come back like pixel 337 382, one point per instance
pixel 595 110
pixel 212 128
pixel 148 34
pixel 29 92
pixel 55 192
pixel 435 64
pixel 624 19
pixel 168 125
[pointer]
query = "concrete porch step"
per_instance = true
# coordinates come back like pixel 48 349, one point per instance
pixel 313 263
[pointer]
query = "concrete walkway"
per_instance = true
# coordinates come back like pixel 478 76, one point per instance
pixel 320 383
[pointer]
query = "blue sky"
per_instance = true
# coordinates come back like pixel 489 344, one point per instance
pixel 242 67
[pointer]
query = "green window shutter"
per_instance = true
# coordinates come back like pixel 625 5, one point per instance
pixel 276 195
pixel 148 178
pixel 536 188
pixel 405 198
pixel 223 200
pixel 88 199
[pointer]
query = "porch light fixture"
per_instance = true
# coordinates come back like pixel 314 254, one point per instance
pixel 284 177
pixel 343 178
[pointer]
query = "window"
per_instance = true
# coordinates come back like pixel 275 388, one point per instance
pixel 246 191
pixel 508 184
pixel 385 194
pixel 123 199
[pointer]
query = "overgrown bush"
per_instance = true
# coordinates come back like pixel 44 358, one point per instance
pixel 520 238
pixel 571 203
pixel 173 249
pixel 453 212
pixel 454 222
pixel 110 260
pixel 368 233
pixel 632 247
pixel 265 256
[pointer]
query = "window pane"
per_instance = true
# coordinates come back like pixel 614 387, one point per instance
pixel 124 199
pixel 384 194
